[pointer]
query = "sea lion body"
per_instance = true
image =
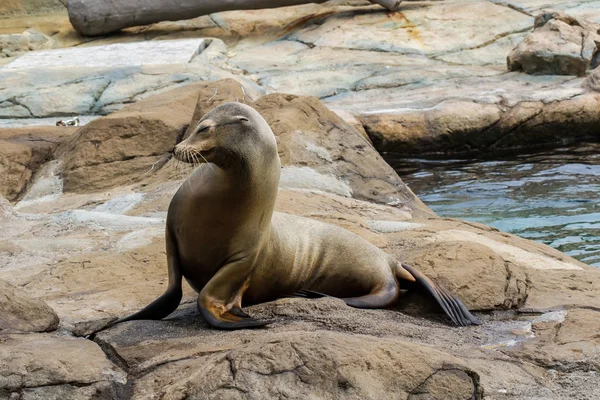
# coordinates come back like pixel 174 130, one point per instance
pixel 225 239
pixel 304 254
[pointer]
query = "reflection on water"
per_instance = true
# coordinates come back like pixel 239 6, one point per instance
pixel 549 197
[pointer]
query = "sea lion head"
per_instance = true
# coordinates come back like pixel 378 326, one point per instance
pixel 230 133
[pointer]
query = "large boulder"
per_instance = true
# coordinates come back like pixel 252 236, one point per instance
pixel 559 45
pixel 469 127
pixel 20 312
pixel 120 148
pixel 319 150
pixel 297 365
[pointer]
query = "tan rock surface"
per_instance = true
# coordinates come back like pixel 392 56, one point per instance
pixel 22 152
pixel 559 45
pixel 20 312
pixel 296 365
pixel 45 366
pixel 318 149
pixel 566 341
pixel 396 72
pixel 113 270
pixel 12 7
pixel 97 251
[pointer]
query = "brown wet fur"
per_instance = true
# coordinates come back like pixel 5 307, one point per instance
pixel 225 239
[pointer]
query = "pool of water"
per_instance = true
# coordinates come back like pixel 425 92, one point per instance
pixel 551 197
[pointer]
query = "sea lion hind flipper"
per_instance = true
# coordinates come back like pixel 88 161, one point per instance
pixel 452 306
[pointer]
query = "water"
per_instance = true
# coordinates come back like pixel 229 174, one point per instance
pixel 550 197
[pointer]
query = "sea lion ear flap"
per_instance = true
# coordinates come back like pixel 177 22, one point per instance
pixel 241 118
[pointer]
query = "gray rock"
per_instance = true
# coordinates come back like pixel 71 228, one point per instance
pixel 41 366
pixel 13 44
pixel 559 45
pixel 154 52
pixel 66 91
pixel 20 312
pixel 593 81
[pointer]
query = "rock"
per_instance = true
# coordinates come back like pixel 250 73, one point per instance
pixel 122 147
pixel 472 128
pixel 158 52
pixel 322 364
pixel 559 45
pixel 566 341
pixel 80 90
pixel 14 44
pixel 22 152
pixel 41 366
pixel 314 143
pixel 416 29
pixel 20 312
pixel 16 7
pixel 318 150
pixel 593 81
pixel 398 77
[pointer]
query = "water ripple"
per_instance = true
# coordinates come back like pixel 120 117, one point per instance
pixel 550 197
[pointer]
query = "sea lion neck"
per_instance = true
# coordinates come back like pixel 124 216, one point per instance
pixel 254 168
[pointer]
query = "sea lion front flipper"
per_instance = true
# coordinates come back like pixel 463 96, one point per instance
pixel 220 300
pixel 170 299
pixel 452 306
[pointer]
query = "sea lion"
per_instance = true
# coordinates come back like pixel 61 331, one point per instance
pixel 225 239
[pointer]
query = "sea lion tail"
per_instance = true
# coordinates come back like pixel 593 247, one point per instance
pixel 452 306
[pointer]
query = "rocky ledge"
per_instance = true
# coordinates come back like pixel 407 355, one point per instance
pixel 82 236
pixel 396 74
pixel 87 236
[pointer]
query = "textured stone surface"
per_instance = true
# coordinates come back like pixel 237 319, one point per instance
pixel 593 81
pixel 155 52
pixel 13 44
pixel 71 91
pixel 12 7
pixel 322 364
pixel 396 69
pixel 97 251
pixel 568 341
pixel 318 149
pixel 559 45
pixel 20 312
pixel 46 366
pixel 22 152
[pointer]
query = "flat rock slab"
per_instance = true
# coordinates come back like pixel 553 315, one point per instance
pixel 42 366
pixel 114 55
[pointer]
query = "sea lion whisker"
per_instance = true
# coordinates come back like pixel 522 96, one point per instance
pixel 206 161
pixel 197 162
